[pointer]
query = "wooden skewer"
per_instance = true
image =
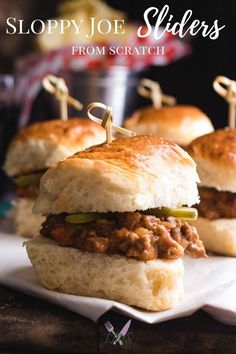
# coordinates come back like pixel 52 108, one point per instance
pixel 106 122
pixel 227 89
pixel 152 90
pixel 57 86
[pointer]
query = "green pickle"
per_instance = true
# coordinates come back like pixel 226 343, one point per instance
pixel 28 180
pixel 180 213
pixel 83 218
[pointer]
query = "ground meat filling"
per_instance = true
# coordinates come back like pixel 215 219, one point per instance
pixel 30 192
pixel 136 235
pixel 216 205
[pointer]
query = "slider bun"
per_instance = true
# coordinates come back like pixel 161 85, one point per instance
pixel 128 174
pixel 180 124
pixel 218 235
pixel 42 144
pixel 25 223
pixel 153 285
pixel 215 156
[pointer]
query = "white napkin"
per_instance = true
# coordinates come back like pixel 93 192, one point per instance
pixel 209 284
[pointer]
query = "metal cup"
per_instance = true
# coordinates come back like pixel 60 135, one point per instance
pixel 115 87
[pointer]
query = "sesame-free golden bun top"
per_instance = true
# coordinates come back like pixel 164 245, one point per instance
pixel 41 144
pixel 129 174
pixel 215 155
pixel 180 123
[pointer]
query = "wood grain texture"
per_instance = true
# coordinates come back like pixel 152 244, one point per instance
pixel 196 334
pixel 35 326
pixel 28 324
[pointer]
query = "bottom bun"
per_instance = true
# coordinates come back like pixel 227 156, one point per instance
pixel 154 285
pixel 218 235
pixel 26 224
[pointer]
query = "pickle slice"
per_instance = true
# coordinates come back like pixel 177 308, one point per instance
pixel 28 180
pixel 83 218
pixel 179 213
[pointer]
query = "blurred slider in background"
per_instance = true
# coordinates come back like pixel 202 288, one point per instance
pixel 215 156
pixel 40 145
pixel 178 123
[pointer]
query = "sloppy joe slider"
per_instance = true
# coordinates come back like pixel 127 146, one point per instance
pixel 33 150
pixel 215 155
pixel 178 123
pixel 116 222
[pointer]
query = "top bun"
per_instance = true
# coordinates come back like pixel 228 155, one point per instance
pixel 128 174
pixel 42 144
pixel 180 124
pixel 215 155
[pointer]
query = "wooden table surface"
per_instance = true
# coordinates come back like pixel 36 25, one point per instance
pixel 29 325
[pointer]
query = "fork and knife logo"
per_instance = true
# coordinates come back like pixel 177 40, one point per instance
pixel 118 337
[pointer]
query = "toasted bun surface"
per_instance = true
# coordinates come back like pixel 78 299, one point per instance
pixel 180 124
pixel 218 235
pixel 154 285
pixel 126 175
pixel 42 144
pixel 26 224
pixel 215 155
